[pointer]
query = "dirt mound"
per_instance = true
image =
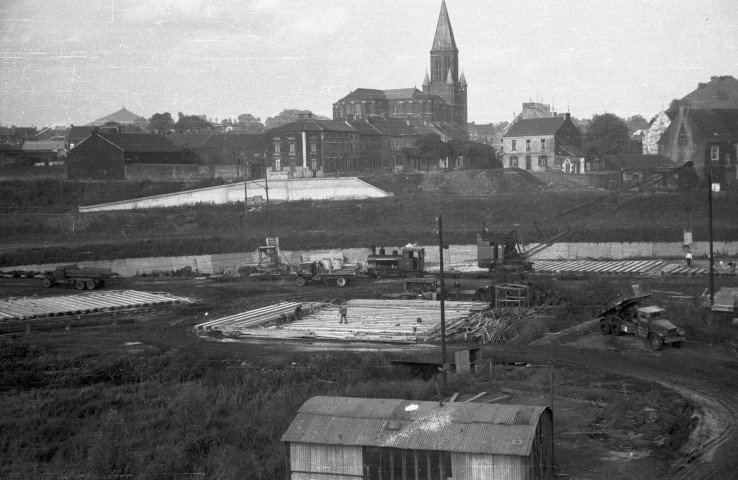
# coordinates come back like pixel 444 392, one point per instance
pixel 480 182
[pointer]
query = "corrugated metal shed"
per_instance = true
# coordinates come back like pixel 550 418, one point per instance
pixel 453 427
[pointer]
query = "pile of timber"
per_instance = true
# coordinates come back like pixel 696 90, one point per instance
pixel 41 307
pixel 391 321
pixel 279 313
pixel 489 326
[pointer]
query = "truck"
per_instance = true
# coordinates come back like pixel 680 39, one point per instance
pixel 80 278
pixel 623 315
pixel 409 261
pixel 330 269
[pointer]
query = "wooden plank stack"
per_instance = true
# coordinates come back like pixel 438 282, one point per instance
pixel 41 307
pixel 489 326
pixel 284 311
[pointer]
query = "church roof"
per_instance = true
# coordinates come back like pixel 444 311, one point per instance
pixel 122 116
pixel 444 39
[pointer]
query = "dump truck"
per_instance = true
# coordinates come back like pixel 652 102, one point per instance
pixel 80 278
pixel 329 269
pixel 623 315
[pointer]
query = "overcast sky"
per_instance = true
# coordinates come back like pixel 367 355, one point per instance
pixel 71 62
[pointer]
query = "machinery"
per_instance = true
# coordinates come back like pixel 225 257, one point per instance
pixel 507 253
pixel 622 315
pixel 80 278
pixel 270 265
pixel 408 261
pixel 334 268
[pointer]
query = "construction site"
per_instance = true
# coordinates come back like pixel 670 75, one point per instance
pixel 626 362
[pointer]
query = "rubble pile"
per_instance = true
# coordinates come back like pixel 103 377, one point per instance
pixel 489 326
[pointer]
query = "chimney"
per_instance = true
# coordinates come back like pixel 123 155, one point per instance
pixel 568 116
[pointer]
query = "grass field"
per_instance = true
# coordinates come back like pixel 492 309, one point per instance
pixel 41 223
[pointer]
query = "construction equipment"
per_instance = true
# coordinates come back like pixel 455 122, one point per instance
pixel 622 315
pixel 270 264
pixel 508 253
pixel 80 278
pixel 408 261
pixel 331 268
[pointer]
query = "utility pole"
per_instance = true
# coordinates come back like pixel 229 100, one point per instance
pixel 245 190
pixel 443 307
pixel 712 261
pixel 266 189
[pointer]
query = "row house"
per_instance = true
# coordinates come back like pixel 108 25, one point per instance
pixel 533 144
pixel 228 155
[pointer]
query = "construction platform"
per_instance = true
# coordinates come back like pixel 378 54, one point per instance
pixel 391 321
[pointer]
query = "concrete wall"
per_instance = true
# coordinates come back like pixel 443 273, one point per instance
pixel 455 255
pixel 279 190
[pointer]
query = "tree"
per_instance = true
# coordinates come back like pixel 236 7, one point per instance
pixel 637 122
pixel 250 124
pixel 161 122
pixel 192 122
pixel 607 135
pixel 432 149
pixel 290 115
pixel 687 179
pixel 481 154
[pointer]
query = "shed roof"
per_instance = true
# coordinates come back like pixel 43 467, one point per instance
pixel 637 162
pixel 535 126
pixel 453 427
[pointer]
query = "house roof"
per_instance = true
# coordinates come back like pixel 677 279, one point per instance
pixel 454 427
pixel 716 124
pixel 572 151
pixel 44 145
pixel 363 126
pixel 393 127
pixel 719 92
pixel 637 162
pixel 141 142
pixel 189 140
pixel 535 126
pixel 482 128
pixel 122 116
pixel 312 125
pixel 77 133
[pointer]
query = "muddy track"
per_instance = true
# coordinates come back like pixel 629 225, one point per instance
pixel 707 380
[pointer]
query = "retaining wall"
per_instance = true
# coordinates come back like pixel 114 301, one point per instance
pixel 457 254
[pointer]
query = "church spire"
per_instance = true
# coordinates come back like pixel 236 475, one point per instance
pixel 444 39
pixel 426 81
pixel 462 80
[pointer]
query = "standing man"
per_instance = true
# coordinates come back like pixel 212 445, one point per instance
pixel 343 311
pixel 689 258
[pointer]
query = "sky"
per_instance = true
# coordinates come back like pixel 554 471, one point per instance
pixel 73 61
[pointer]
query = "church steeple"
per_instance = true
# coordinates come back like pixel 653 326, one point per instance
pixel 444 40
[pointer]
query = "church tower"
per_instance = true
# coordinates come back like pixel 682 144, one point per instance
pixel 444 67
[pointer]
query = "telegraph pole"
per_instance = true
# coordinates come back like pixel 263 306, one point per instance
pixel 443 309
pixel 712 260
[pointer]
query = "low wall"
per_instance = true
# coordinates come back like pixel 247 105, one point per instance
pixel 456 254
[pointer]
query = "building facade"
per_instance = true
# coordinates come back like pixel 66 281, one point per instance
pixel 533 144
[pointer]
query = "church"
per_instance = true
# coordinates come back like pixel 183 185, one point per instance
pixel 443 98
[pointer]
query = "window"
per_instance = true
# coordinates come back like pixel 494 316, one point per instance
pixel 395 463
pixel 277 148
pixel 543 144
pixel 714 154
pixel 313 147
pixel 543 161
pixel 277 165
pixel 514 145
pixel 513 162
pixel 292 148
pixel 527 145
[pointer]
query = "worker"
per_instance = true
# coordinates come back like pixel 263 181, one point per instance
pixel 689 258
pixel 343 311
pixel 298 312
